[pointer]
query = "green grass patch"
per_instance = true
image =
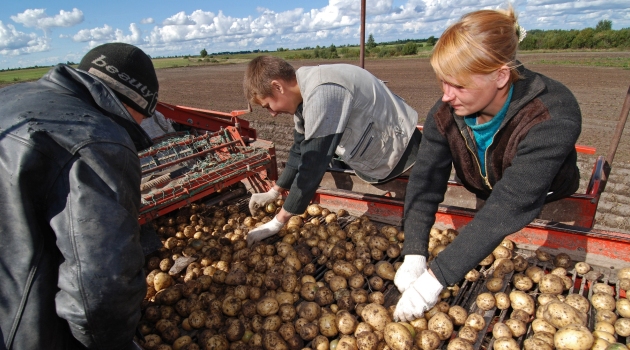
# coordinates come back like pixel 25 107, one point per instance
pixel 20 75
pixel 615 62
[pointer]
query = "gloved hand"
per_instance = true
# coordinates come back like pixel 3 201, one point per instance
pixel 421 296
pixel 412 267
pixel 261 199
pixel 264 231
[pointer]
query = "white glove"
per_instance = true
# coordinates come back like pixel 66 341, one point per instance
pixel 421 296
pixel 264 231
pixel 409 271
pixel 261 199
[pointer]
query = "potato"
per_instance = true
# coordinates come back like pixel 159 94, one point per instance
pixel 505 344
pixel 502 267
pixel 267 306
pixel 162 280
pixel 472 275
pixel 385 270
pixel 487 260
pixel 501 252
pixel 367 341
pixel 309 310
pixel 545 298
pixel 441 324
pixel 542 255
pixel 622 327
pixel 579 302
pixel 582 267
pixel 346 322
pixel 520 315
pixel 522 301
pixel 459 344
pixel 475 321
pixel 602 301
pixel 441 306
pixel 517 327
pixel 376 297
pixel 494 284
pixel 544 336
pixel 328 325
pixel 560 314
pixel 600 344
pixel 308 331
pixel 314 210
pixel 623 307
pixel 551 284
pixel 535 273
pixel 540 325
pixel 605 316
pixel 320 342
pixel 624 284
pixel 485 301
pixel 397 336
pixel 603 288
pixel 271 340
pixel 468 333
pixel 536 344
pixel 500 330
pixel 344 268
pixel 623 273
pixel 562 260
pixel 458 314
pixel 502 300
pixel 428 340
pixel 573 336
pixel 231 306
pixel 522 282
pixel 376 316
pixel 604 335
pixel 520 263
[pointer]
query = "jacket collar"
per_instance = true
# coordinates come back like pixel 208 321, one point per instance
pixel 526 89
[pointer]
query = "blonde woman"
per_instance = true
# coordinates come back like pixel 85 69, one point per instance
pixel 510 134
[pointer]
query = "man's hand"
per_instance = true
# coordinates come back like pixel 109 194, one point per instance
pixel 261 199
pixel 421 296
pixel 264 231
pixel 409 271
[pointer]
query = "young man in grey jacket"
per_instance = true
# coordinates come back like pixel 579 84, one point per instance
pixel 71 268
pixel 338 109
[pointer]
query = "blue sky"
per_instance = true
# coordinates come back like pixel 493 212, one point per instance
pixel 38 32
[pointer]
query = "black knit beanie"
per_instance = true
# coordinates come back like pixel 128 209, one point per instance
pixel 128 71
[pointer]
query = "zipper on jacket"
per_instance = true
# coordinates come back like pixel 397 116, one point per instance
pixel 356 148
pixel 485 179
pixel 485 157
pixel 366 146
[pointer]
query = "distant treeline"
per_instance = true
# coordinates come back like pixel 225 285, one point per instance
pixel 600 37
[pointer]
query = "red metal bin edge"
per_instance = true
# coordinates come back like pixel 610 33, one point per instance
pixel 599 247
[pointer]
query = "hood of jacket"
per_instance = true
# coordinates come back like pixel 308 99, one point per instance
pixel 89 87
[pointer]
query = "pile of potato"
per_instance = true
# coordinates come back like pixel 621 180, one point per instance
pixel 208 290
pixel 536 299
pixel 320 286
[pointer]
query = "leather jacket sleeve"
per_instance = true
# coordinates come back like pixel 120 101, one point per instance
pixel 94 214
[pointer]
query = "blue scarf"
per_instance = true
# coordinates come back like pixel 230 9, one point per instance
pixel 484 133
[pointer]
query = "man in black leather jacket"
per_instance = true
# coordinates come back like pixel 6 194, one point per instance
pixel 71 262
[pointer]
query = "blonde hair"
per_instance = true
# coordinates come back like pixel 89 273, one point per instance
pixel 480 43
pixel 260 72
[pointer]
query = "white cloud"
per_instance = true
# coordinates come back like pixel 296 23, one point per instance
pixel 148 20
pixel 14 42
pixel 106 33
pixel 37 18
